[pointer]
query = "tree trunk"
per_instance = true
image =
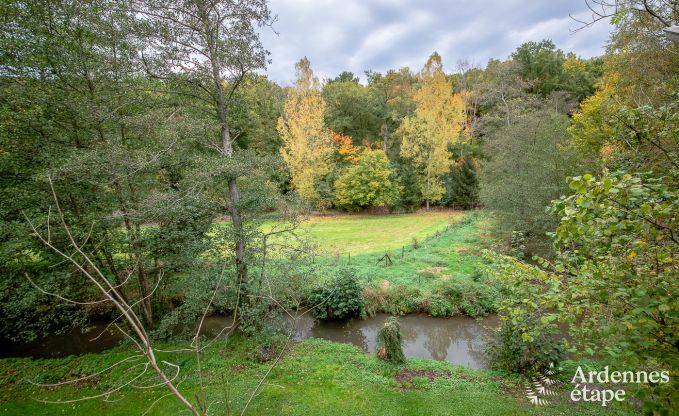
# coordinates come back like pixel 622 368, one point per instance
pixel 234 197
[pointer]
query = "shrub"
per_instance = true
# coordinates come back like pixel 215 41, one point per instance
pixel 474 299
pixel 389 342
pixel 401 300
pixel 368 183
pixel 510 351
pixel 374 300
pixel 338 299
pixel 438 306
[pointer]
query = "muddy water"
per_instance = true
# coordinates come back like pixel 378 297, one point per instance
pixel 95 338
pixel 458 340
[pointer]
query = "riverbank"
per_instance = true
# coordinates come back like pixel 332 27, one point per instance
pixel 314 377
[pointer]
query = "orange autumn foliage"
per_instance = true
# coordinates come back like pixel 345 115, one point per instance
pixel 345 148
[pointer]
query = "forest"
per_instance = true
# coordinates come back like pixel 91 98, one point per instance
pixel 154 179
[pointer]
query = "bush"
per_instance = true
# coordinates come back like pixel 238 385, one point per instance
pixel 389 342
pixel 438 306
pixel 509 351
pixel 474 299
pixel 401 300
pixel 338 299
pixel 370 183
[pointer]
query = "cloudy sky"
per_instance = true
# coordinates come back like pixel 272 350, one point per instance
pixel 356 35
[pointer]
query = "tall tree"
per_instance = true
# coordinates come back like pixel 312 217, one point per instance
pixel 307 144
pixel 352 111
pixel 541 64
pixel 437 122
pixel 392 94
pixel 527 168
pixel 77 111
pixel 202 44
pixel 257 104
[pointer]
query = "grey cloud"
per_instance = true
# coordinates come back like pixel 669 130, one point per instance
pixel 355 35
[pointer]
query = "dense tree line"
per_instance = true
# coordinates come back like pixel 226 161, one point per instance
pixel 146 121
pixel 145 157
pixel 612 275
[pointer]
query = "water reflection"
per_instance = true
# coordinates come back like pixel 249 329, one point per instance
pixel 95 338
pixel 458 340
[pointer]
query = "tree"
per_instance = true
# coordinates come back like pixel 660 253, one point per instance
pixel 345 76
pixel 368 183
pixel 200 44
pixel 526 169
pixel 393 96
pixel 410 197
pixel 122 147
pixel 352 111
pixel 76 110
pixel 613 283
pixel 257 105
pixel 307 146
pixel 462 184
pixel 541 64
pixel 437 122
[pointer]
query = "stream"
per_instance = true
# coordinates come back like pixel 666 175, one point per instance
pixel 459 340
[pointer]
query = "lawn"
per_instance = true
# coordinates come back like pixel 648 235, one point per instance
pixel 362 234
pixel 315 377
pixel 439 275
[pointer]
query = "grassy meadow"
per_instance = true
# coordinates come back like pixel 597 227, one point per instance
pixel 438 274
pixel 434 261
pixel 313 377
pixel 364 234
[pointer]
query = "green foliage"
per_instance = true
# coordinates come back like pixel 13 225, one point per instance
pixel 389 342
pixel 527 166
pixel 339 298
pixel 256 107
pixel 462 185
pixel 528 339
pixel 474 299
pixel 510 352
pixel 547 70
pixel 541 64
pixel 368 183
pixel 517 245
pixel 439 306
pixel 617 239
pixel 351 110
pixel 410 197
pixel 613 282
pixel 402 299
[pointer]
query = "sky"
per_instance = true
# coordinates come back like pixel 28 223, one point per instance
pixel 358 35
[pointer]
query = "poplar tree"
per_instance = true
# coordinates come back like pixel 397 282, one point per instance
pixel 436 123
pixel 307 144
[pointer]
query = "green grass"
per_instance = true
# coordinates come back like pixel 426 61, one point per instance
pixel 441 276
pixel 315 377
pixel 362 234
